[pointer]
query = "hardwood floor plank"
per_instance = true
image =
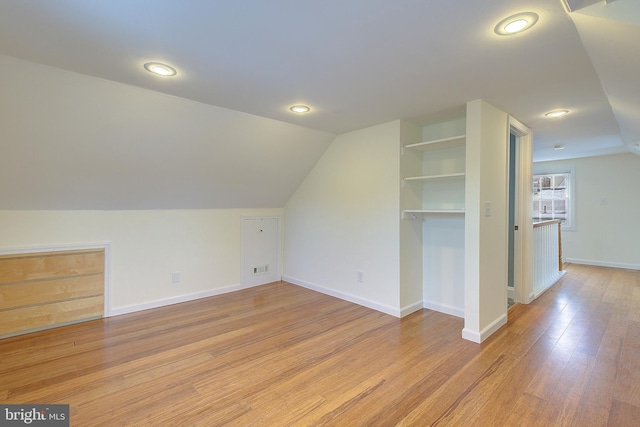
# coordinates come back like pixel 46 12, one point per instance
pixel 466 391
pixel 600 387
pixel 526 412
pixel 562 405
pixel 512 385
pixel 361 366
pixel 281 355
pixel 559 411
pixel 589 415
pixel 623 414
pixel 627 383
pixel 546 378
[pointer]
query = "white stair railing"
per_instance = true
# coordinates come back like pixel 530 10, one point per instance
pixel 547 255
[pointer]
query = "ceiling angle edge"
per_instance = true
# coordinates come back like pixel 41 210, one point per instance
pixel 573 5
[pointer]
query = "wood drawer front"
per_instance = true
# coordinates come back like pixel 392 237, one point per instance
pixel 49 289
pixel 48 265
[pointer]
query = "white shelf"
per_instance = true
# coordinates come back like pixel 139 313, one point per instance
pixel 436 144
pixel 410 179
pixel 419 213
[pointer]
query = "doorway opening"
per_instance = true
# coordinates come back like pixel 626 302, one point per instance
pixel 513 227
pixel 520 233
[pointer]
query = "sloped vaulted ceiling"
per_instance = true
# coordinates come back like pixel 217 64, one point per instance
pixel 610 32
pixel 83 126
pixel 71 141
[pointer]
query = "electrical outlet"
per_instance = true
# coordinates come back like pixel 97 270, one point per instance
pixel 175 277
pixel 360 277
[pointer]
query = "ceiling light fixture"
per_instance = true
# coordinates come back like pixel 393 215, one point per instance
pixel 556 113
pixel 558 147
pixel 515 24
pixel 300 109
pixel 160 69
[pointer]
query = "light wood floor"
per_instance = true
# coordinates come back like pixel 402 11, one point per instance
pixel 281 355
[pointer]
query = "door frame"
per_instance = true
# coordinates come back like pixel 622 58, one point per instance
pixel 523 239
pixel 512 203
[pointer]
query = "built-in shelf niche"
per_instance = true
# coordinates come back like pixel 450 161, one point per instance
pixel 436 144
pixel 441 185
pixel 432 200
pixel 421 213
pixel 420 179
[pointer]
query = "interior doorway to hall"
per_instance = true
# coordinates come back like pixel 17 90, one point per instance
pixel 512 227
pixel 519 274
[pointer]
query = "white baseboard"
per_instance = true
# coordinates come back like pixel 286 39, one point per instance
pixel 470 335
pixel 347 297
pixel 480 336
pixel 169 301
pixel 532 296
pixel 603 263
pixel 411 308
pixel 443 308
pixel 552 281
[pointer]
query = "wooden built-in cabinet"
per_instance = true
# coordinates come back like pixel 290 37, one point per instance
pixel 43 290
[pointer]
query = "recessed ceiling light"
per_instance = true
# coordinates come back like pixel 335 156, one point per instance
pixel 556 113
pixel 160 69
pixel 515 24
pixel 300 109
pixel 558 147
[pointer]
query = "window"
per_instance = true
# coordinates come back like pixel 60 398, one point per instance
pixel 552 198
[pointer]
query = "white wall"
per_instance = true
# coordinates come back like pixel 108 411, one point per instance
pixel 146 247
pixel 411 268
pixel 443 263
pixel 607 210
pixel 485 232
pixel 86 160
pixel 344 218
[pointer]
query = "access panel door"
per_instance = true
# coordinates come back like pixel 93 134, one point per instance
pixel 260 250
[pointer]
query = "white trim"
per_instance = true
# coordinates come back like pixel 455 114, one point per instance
pixel 444 308
pixel 552 281
pixel 107 280
pixel 345 296
pixel 54 248
pixel 524 237
pixel 411 308
pixel 470 335
pixel 74 247
pixel 257 284
pixel 479 337
pixel 172 300
pixel 603 263
pixel 571 171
